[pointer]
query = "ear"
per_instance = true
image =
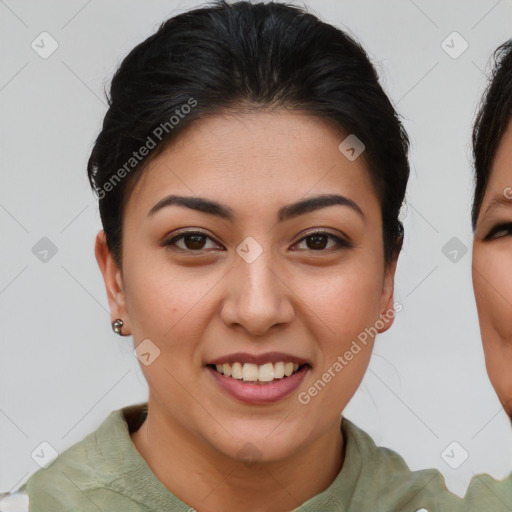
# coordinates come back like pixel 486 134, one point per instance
pixel 113 280
pixel 387 309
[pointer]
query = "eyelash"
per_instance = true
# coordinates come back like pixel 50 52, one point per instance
pixel 507 227
pixel 343 244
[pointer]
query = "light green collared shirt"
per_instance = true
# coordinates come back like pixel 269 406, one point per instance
pixel 105 472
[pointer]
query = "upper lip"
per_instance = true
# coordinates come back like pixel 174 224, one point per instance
pixel 259 359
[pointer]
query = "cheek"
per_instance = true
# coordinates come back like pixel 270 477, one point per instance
pixel 351 297
pixel 344 308
pixel 347 304
pixel 163 300
pixel 492 280
pixel 167 306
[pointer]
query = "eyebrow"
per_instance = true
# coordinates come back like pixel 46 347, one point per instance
pixel 285 213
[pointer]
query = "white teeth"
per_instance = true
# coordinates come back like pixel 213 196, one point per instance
pixel 266 373
pixel 251 372
pixel 288 369
pixel 278 370
pixel 236 371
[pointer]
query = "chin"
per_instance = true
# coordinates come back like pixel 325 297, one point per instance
pixel 257 449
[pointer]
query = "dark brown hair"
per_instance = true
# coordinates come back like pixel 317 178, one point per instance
pixel 235 56
pixel 491 122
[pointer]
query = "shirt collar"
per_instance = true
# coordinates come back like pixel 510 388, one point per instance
pixel 128 473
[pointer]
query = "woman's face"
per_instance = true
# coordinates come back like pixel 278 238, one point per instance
pixel 492 272
pixel 245 274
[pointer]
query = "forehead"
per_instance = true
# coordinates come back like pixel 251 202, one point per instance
pixel 252 158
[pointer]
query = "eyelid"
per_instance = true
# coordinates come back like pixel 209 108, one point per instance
pixel 342 243
pixel 503 226
pixel 321 231
pixel 171 242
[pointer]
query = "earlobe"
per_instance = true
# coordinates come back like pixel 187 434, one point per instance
pixel 387 313
pixel 386 318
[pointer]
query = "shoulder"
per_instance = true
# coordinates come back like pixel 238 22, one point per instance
pixel 84 472
pixel 384 476
pixel 487 493
pixel 75 463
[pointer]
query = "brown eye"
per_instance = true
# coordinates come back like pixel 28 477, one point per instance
pixel 318 241
pixel 196 241
pixel 192 241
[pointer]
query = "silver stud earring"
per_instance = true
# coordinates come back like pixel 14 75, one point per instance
pixel 117 326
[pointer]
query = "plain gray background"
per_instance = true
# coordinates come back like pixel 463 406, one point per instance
pixel 63 370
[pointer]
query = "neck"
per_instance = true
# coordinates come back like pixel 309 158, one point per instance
pixel 208 480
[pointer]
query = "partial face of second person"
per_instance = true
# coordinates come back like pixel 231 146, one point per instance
pixel 318 282
pixel 492 271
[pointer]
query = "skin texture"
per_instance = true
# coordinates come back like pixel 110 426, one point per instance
pixel 492 271
pixel 306 298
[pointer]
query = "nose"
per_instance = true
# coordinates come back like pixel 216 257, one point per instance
pixel 258 296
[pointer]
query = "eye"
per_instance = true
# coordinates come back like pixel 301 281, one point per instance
pixel 499 231
pixel 193 241
pixel 318 241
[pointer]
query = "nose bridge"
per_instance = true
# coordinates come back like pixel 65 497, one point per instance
pixel 257 297
pixel 258 277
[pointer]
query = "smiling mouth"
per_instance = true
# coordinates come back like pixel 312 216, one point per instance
pixel 258 374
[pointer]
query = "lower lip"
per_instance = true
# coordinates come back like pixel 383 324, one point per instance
pixel 264 393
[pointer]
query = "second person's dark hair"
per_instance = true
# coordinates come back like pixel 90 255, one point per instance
pixel 491 122
pixel 238 57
